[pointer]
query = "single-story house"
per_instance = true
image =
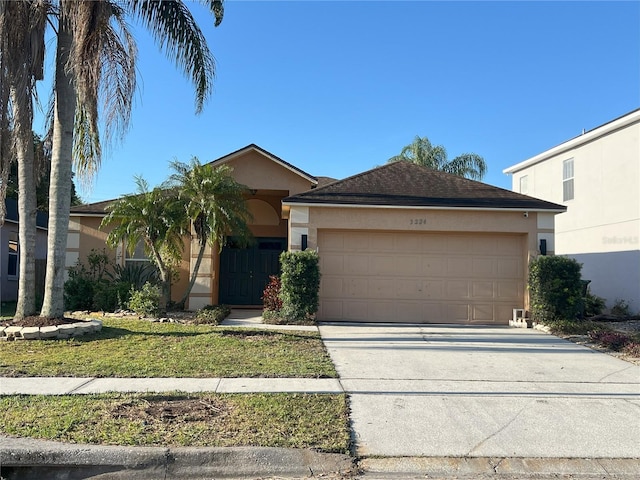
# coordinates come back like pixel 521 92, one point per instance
pixel 399 243
pixel 10 254
pixel 596 175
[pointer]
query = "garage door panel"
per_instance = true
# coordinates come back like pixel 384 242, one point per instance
pixel 509 290
pixel 358 242
pixel 509 267
pixel 430 244
pixel 383 264
pixel 483 290
pixel 408 265
pixel 433 289
pixel 412 311
pixel 331 310
pixel 332 264
pixel 482 313
pixel 433 266
pixel 459 266
pixel 382 311
pixel 332 287
pixel 408 288
pixel 420 277
pixel 457 289
pixel 509 245
pixel 356 310
pixel 458 313
pixel 482 245
pixel 356 265
pixel 382 242
pixel 459 244
pixel 357 287
pixel 484 267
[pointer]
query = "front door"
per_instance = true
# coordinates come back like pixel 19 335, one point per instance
pixel 244 272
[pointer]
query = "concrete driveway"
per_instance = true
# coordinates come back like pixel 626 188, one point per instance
pixel 462 391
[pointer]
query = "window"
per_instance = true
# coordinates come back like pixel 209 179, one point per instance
pixel 524 184
pixel 138 254
pixel 567 180
pixel 12 262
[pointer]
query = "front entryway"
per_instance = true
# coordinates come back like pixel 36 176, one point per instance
pixel 244 271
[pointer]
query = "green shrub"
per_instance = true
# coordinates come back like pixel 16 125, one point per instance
pixel 620 308
pixel 79 289
pixel 576 327
pixel 300 283
pixel 135 274
pixel 593 305
pixel 85 282
pixel 111 296
pixel 555 288
pixel 146 301
pixel 212 314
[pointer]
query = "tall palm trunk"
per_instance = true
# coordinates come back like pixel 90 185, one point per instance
pixel 61 174
pixel 22 114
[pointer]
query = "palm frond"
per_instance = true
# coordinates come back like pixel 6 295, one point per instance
pixel 178 35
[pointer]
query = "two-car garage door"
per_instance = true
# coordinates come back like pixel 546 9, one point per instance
pixel 420 277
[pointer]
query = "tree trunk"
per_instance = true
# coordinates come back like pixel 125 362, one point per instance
pixel 61 175
pixel 194 274
pixel 22 113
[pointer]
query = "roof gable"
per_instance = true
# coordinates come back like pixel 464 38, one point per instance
pixel 405 184
pixel 253 147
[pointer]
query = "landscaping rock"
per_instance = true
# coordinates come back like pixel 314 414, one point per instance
pixel 30 333
pixel 12 332
pixel 48 332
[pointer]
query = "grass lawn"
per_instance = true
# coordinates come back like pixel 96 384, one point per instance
pixel 139 348
pixel 216 420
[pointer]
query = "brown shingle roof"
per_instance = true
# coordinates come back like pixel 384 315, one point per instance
pixel 406 184
pixel 97 208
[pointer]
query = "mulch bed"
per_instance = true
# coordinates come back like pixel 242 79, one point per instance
pixel 38 322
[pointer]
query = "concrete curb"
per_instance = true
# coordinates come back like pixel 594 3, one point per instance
pixel 25 459
pixel 470 467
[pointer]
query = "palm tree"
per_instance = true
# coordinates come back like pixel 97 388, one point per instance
pixel 423 152
pixel 157 219
pixel 92 54
pixel 21 65
pixel 215 204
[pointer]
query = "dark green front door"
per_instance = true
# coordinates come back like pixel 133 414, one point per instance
pixel 244 272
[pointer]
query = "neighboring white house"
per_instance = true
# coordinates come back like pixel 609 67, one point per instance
pixel 597 177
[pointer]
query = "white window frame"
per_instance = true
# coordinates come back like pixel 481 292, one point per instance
pixel 568 175
pixel 138 254
pixel 13 252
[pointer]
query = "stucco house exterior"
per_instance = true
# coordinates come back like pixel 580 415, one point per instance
pixel 399 243
pixel 10 255
pixel 596 175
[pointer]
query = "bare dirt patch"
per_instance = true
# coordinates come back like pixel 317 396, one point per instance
pixel 171 410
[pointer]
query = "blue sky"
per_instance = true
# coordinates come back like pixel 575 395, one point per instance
pixel 337 87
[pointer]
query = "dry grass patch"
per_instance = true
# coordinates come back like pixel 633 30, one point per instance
pixel 206 420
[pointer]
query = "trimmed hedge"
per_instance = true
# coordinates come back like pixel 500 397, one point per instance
pixel 300 284
pixel 555 288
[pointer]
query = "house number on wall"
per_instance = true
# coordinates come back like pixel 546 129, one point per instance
pixel 418 221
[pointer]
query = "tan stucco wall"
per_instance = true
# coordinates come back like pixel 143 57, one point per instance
pixel 257 171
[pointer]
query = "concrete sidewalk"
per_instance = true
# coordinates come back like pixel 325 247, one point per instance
pixel 76 385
